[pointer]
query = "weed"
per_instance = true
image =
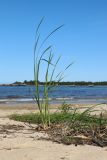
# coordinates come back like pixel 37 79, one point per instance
pixel 50 68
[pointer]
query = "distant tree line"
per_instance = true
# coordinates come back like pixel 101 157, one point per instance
pixel 77 83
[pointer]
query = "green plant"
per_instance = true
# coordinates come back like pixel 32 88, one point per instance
pixel 59 118
pixel 46 56
pixel 65 108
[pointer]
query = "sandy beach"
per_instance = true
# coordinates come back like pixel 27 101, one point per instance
pixel 18 141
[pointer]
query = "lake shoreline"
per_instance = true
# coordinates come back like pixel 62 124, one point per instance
pixel 32 107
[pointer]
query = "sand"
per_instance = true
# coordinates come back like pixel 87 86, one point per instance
pixel 25 144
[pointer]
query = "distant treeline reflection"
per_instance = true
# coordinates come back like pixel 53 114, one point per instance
pixel 76 83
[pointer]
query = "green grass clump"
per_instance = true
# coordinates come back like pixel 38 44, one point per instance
pixel 29 118
pixel 35 118
pixel 60 117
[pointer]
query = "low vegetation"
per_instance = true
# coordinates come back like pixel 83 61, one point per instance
pixel 70 126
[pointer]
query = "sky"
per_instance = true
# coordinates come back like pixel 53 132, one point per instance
pixel 82 40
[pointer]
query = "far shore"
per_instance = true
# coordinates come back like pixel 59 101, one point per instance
pixel 66 83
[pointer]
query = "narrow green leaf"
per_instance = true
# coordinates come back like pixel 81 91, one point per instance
pixel 50 35
pixel 69 66
pixel 47 61
pixel 39 25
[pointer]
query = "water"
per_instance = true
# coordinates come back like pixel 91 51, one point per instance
pixel 70 94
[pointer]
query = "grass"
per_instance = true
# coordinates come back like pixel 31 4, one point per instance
pixel 43 55
pixel 60 117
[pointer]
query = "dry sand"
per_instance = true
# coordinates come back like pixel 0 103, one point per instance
pixel 26 144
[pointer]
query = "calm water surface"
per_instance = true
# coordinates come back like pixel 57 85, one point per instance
pixel 70 94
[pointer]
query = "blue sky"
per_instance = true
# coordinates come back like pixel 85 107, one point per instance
pixel 83 39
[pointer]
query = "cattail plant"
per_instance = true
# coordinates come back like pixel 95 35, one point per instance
pixel 50 69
